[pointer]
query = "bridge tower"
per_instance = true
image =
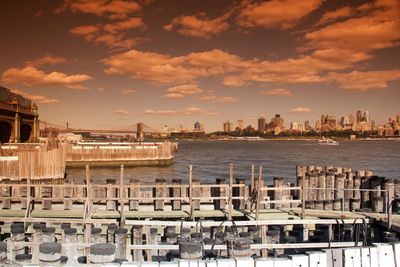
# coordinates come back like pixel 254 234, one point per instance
pixel 140 130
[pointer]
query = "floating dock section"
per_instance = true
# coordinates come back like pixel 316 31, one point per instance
pixel 116 154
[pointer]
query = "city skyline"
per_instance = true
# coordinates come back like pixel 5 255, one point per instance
pixel 107 64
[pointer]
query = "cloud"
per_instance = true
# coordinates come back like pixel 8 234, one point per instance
pixel 186 111
pixel 300 110
pixel 363 81
pixel 116 9
pixel 275 13
pixel 278 91
pixel 181 90
pixel 46 60
pixel 233 70
pixel 221 99
pixel 331 16
pixel 110 34
pixel 128 91
pixel 120 112
pixel 198 26
pixel 377 29
pixel 153 67
pixel 31 76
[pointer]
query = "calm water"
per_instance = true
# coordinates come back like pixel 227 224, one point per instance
pixel 210 159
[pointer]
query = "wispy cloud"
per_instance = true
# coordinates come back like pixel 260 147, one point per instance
pixel 186 111
pixel 220 99
pixel 278 91
pixel 181 90
pixel 300 110
pixel 120 112
pixel 115 9
pixel 128 91
pixel 46 60
pixel 198 26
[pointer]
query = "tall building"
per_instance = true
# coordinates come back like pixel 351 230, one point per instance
pixel 228 126
pixel 328 123
pixel 366 116
pixel 307 126
pixel 277 121
pixel 240 124
pixel 198 127
pixel 294 126
pixel 359 116
pixel 261 124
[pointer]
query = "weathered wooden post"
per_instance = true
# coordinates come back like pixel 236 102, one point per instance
pixel 120 244
pixel 230 191
pixel 137 240
pixel 134 193
pixel 321 194
pixel 6 193
pixel 365 195
pixel 122 195
pixel 330 185
pixel 176 193
pixel 388 186
pixel 220 204
pixel 259 194
pixel 239 191
pixel 111 192
pixel 278 184
pixel 313 185
pixel 191 190
pixel 47 195
pixel 68 191
pixel 160 193
pixel 196 193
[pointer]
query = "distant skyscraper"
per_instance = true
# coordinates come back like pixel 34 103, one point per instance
pixel 366 116
pixel 277 121
pixel 359 116
pixel 197 126
pixel 240 124
pixel 307 126
pixel 261 124
pixel 228 127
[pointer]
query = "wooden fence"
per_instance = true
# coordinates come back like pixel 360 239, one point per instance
pixel 32 161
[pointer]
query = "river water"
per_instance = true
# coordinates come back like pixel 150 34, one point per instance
pixel 211 159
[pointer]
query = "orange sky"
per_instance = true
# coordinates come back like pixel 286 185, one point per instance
pixel 110 64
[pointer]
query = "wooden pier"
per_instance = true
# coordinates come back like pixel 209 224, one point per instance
pixel 275 210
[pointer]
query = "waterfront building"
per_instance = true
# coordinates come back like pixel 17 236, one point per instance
pixel 240 124
pixel 278 121
pixel 328 123
pixel 261 124
pixel 198 127
pixel 359 116
pixel 228 126
pixel 69 138
pixel 307 126
pixel 19 118
pixel 294 126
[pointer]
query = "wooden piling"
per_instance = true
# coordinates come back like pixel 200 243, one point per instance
pixel 134 193
pixel 160 192
pixel 111 193
pixel 176 192
pixel 239 204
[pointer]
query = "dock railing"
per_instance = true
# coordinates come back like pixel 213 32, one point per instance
pixel 122 197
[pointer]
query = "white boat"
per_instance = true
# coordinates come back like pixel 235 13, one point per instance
pixel 327 142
